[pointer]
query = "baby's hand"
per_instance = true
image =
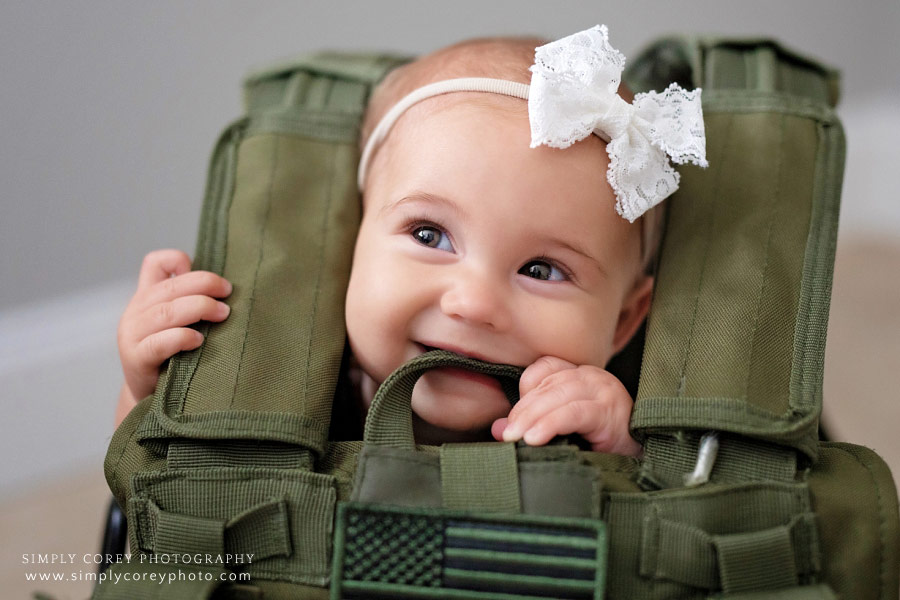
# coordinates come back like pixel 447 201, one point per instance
pixel 559 398
pixel 153 328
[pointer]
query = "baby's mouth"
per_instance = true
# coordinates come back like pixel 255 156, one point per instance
pixel 462 373
pixel 455 350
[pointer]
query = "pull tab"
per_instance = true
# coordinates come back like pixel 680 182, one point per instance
pixel 389 422
pixel 706 458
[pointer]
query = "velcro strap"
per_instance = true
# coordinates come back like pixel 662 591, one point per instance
pixel 262 531
pixel 768 559
pixel 756 560
pixel 480 477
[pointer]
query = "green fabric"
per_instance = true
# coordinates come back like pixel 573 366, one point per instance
pixel 261 531
pixel 666 543
pixel 756 560
pixel 292 537
pixel 480 477
pixel 749 242
pixel 547 485
pixel 389 421
pixel 668 458
pixel 856 502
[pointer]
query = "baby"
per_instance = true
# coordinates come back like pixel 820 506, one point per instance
pixel 474 242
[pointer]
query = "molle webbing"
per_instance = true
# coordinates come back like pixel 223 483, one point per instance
pixel 737 344
pixel 279 222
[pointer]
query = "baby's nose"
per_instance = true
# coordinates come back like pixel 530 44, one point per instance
pixel 477 300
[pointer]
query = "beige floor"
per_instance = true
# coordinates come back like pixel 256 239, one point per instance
pixel 862 399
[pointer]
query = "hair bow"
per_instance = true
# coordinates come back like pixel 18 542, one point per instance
pixel 573 94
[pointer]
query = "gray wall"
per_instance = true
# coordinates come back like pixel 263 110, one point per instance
pixel 109 111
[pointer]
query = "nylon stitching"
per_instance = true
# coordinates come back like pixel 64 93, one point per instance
pixel 220 225
pixel 259 259
pixel 882 575
pixel 687 354
pixel 320 262
pixel 774 204
pixel 115 469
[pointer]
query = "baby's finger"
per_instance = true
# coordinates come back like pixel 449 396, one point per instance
pixel 498 427
pixel 154 349
pixel 598 423
pixel 572 417
pixel 159 265
pixel 178 313
pixel 535 405
pixel 202 283
pixel 540 370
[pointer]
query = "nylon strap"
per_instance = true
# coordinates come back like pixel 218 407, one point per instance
pixel 191 454
pixel 389 422
pixel 772 558
pixel 482 477
pixel 668 457
pixel 261 531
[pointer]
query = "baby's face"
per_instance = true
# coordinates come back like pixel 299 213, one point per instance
pixel 473 242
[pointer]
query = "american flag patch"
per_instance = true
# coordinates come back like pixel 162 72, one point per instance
pixel 396 552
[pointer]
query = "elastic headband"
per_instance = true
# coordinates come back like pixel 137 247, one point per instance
pixel 573 94
pixel 464 84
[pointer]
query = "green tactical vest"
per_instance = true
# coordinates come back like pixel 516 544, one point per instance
pixel 231 457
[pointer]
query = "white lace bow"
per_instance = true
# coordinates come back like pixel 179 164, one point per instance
pixel 573 94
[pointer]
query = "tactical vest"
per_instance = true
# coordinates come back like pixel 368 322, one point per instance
pixel 734 497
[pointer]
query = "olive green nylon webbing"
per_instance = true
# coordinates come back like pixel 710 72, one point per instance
pixel 714 537
pixel 285 514
pixel 480 477
pixel 269 371
pixel 389 421
pixel 226 454
pixel 738 459
pixel 259 532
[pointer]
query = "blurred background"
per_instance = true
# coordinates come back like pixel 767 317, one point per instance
pixel 109 111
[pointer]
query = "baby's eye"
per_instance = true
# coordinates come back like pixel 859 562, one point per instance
pixel 433 238
pixel 540 269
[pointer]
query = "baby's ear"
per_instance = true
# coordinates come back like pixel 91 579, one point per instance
pixel 634 309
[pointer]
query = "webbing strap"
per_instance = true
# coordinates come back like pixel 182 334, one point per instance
pixel 389 422
pixel 480 477
pixel 768 559
pixel 191 454
pixel 667 458
pixel 261 531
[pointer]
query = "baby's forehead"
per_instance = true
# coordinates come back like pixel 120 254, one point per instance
pixel 508 58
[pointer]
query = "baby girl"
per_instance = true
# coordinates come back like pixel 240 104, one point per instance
pixel 492 227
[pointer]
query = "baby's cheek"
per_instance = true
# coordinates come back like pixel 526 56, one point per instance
pixel 579 337
pixel 373 326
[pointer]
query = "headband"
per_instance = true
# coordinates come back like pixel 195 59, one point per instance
pixel 573 95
